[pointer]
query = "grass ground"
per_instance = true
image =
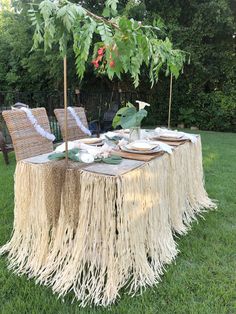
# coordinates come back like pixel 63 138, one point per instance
pixel 203 278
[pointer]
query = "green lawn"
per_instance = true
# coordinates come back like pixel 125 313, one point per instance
pixel 203 278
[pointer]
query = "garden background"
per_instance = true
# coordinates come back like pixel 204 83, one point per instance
pixel 203 96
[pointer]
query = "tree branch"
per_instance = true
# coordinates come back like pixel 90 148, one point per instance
pixel 99 18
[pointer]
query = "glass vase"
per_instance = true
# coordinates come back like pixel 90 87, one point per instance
pixel 134 134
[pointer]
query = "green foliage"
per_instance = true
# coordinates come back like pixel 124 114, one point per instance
pixel 216 111
pixel 110 8
pixel 20 67
pixel 5 5
pixel 202 28
pixel 187 116
pixel 83 36
pixel 128 117
pixel 128 44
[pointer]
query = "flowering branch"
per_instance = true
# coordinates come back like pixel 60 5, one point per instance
pixel 125 46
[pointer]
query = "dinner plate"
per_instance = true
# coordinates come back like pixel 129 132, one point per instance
pixel 97 144
pixel 141 146
pixel 90 141
pixel 145 152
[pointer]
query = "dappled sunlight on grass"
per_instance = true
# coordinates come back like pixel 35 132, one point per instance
pixel 209 158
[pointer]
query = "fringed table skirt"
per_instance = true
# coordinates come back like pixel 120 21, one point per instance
pixel 93 234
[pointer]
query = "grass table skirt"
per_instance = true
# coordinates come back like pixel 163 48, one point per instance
pixel 94 234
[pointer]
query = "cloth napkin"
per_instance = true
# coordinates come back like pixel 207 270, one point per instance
pixel 87 153
pixel 163 147
pixel 176 134
pixel 114 135
pixel 61 148
pixel 97 152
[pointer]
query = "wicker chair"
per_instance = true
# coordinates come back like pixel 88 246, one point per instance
pixel 26 141
pixel 73 132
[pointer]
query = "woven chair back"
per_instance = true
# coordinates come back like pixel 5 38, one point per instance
pixel 73 131
pixel 27 142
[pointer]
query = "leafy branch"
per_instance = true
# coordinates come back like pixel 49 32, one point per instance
pixel 128 44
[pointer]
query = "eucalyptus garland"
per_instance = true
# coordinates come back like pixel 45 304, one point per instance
pixel 125 45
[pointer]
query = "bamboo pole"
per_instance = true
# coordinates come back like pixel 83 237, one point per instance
pixel 170 100
pixel 65 108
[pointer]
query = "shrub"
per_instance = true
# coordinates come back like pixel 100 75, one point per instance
pixel 216 111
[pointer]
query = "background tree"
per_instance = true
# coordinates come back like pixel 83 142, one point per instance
pixel 203 28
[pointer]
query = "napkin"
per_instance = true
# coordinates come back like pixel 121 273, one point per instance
pixel 176 134
pixel 163 147
pixel 97 152
pixel 108 134
pixel 61 148
pixel 114 135
pixel 122 142
pixel 85 157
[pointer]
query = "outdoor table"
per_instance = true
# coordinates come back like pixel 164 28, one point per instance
pixel 93 229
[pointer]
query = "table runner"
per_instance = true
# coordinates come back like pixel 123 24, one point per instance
pixel 93 234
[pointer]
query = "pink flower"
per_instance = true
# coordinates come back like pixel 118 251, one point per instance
pixel 99 58
pixel 112 63
pixel 101 51
pixel 95 63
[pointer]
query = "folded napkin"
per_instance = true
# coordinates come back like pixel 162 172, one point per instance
pixel 163 147
pixel 97 152
pixel 176 134
pixel 61 148
pixel 108 134
pixel 122 142
pixel 116 136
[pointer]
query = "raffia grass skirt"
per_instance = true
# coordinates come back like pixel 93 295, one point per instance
pixel 94 234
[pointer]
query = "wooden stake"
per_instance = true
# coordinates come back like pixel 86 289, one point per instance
pixel 170 100
pixel 65 108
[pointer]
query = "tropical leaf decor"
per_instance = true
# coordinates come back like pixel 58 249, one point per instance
pixel 129 117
